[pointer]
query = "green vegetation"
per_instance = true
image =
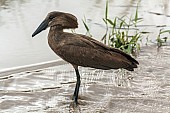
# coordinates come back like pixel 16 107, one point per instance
pixel 122 32
pixel 120 35
pixel 162 40
pixel 86 26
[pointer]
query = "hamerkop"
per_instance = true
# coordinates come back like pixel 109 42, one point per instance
pixel 81 50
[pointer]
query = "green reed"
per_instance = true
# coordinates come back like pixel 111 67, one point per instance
pixel 119 32
pixel 122 32
pixel 162 39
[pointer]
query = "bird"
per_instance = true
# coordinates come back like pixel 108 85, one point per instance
pixel 79 49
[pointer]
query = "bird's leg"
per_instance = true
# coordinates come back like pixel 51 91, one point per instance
pixel 76 91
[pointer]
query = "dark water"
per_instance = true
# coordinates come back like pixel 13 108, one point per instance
pixel 19 19
pixel 49 90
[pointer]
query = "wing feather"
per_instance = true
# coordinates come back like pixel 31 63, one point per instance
pixel 84 51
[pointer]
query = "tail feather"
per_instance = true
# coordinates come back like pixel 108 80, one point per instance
pixel 132 65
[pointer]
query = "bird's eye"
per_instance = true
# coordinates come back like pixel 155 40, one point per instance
pixel 51 17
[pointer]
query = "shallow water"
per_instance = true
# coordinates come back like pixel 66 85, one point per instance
pixel 19 19
pixel 49 90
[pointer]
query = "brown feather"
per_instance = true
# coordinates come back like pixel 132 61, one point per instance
pixel 84 51
pixel 81 50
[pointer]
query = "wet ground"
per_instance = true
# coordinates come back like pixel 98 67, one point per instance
pixel 49 90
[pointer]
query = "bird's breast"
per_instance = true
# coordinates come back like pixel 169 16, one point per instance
pixel 56 45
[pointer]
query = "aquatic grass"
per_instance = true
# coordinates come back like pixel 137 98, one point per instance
pixel 86 27
pixel 119 35
pixel 122 32
pixel 136 18
pixel 106 23
pixel 106 11
pixel 162 40
pixel 119 31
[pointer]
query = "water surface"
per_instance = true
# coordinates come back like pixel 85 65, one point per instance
pixel 49 90
pixel 19 19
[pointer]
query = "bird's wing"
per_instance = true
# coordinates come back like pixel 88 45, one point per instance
pixel 91 53
pixel 109 48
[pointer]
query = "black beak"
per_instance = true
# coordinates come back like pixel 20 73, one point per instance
pixel 41 27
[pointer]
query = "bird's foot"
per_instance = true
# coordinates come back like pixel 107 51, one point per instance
pixel 74 106
pixel 75 100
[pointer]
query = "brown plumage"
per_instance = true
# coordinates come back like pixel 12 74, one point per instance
pixel 81 50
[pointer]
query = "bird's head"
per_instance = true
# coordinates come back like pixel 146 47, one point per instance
pixel 59 20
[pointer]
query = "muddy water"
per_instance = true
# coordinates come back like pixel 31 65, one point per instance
pixel 49 90
pixel 19 19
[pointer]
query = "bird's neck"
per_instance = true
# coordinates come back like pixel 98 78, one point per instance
pixel 54 37
pixel 56 29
